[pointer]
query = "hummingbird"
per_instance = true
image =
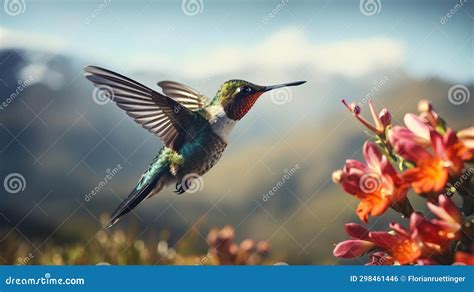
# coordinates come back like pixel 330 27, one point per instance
pixel 194 129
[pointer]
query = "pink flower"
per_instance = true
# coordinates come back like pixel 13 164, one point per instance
pixel 428 115
pixel 403 247
pixel 387 248
pixel 381 121
pixel 449 217
pixel 416 133
pixel 358 245
pixel 376 184
pixel 437 234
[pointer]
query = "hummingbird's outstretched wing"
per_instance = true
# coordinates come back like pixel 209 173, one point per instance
pixel 183 94
pixel 159 114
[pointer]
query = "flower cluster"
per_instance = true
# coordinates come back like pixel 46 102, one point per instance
pixel 427 157
pixel 227 252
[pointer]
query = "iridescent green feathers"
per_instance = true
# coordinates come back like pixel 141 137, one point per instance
pixel 229 89
pixel 167 157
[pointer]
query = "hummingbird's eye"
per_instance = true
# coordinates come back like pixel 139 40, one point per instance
pixel 246 89
pixel 243 89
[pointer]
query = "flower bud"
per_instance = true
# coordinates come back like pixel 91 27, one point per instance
pixel 337 176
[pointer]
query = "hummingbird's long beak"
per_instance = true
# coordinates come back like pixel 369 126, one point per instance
pixel 271 87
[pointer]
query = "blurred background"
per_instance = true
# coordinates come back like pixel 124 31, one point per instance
pixel 68 157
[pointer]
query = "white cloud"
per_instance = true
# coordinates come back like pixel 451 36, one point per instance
pixel 279 54
pixel 291 49
pixel 14 39
pixel 358 57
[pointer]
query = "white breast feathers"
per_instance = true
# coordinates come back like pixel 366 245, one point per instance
pixel 221 124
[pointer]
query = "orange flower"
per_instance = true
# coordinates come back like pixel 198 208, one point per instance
pixel 428 176
pixel 376 184
pixel 400 245
pixel 438 234
pixel 432 169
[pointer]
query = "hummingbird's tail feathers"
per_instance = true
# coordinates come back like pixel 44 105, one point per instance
pixel 135 198
pixel 153 180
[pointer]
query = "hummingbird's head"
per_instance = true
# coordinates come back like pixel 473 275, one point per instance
pixel 238 96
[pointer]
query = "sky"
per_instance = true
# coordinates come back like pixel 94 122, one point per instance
pixel 427 38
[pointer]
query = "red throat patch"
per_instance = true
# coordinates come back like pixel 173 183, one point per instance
pixel 242 107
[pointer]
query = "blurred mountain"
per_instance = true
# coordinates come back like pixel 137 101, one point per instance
pixel 65 144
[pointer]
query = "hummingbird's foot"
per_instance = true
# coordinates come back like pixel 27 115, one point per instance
pixel 179 188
